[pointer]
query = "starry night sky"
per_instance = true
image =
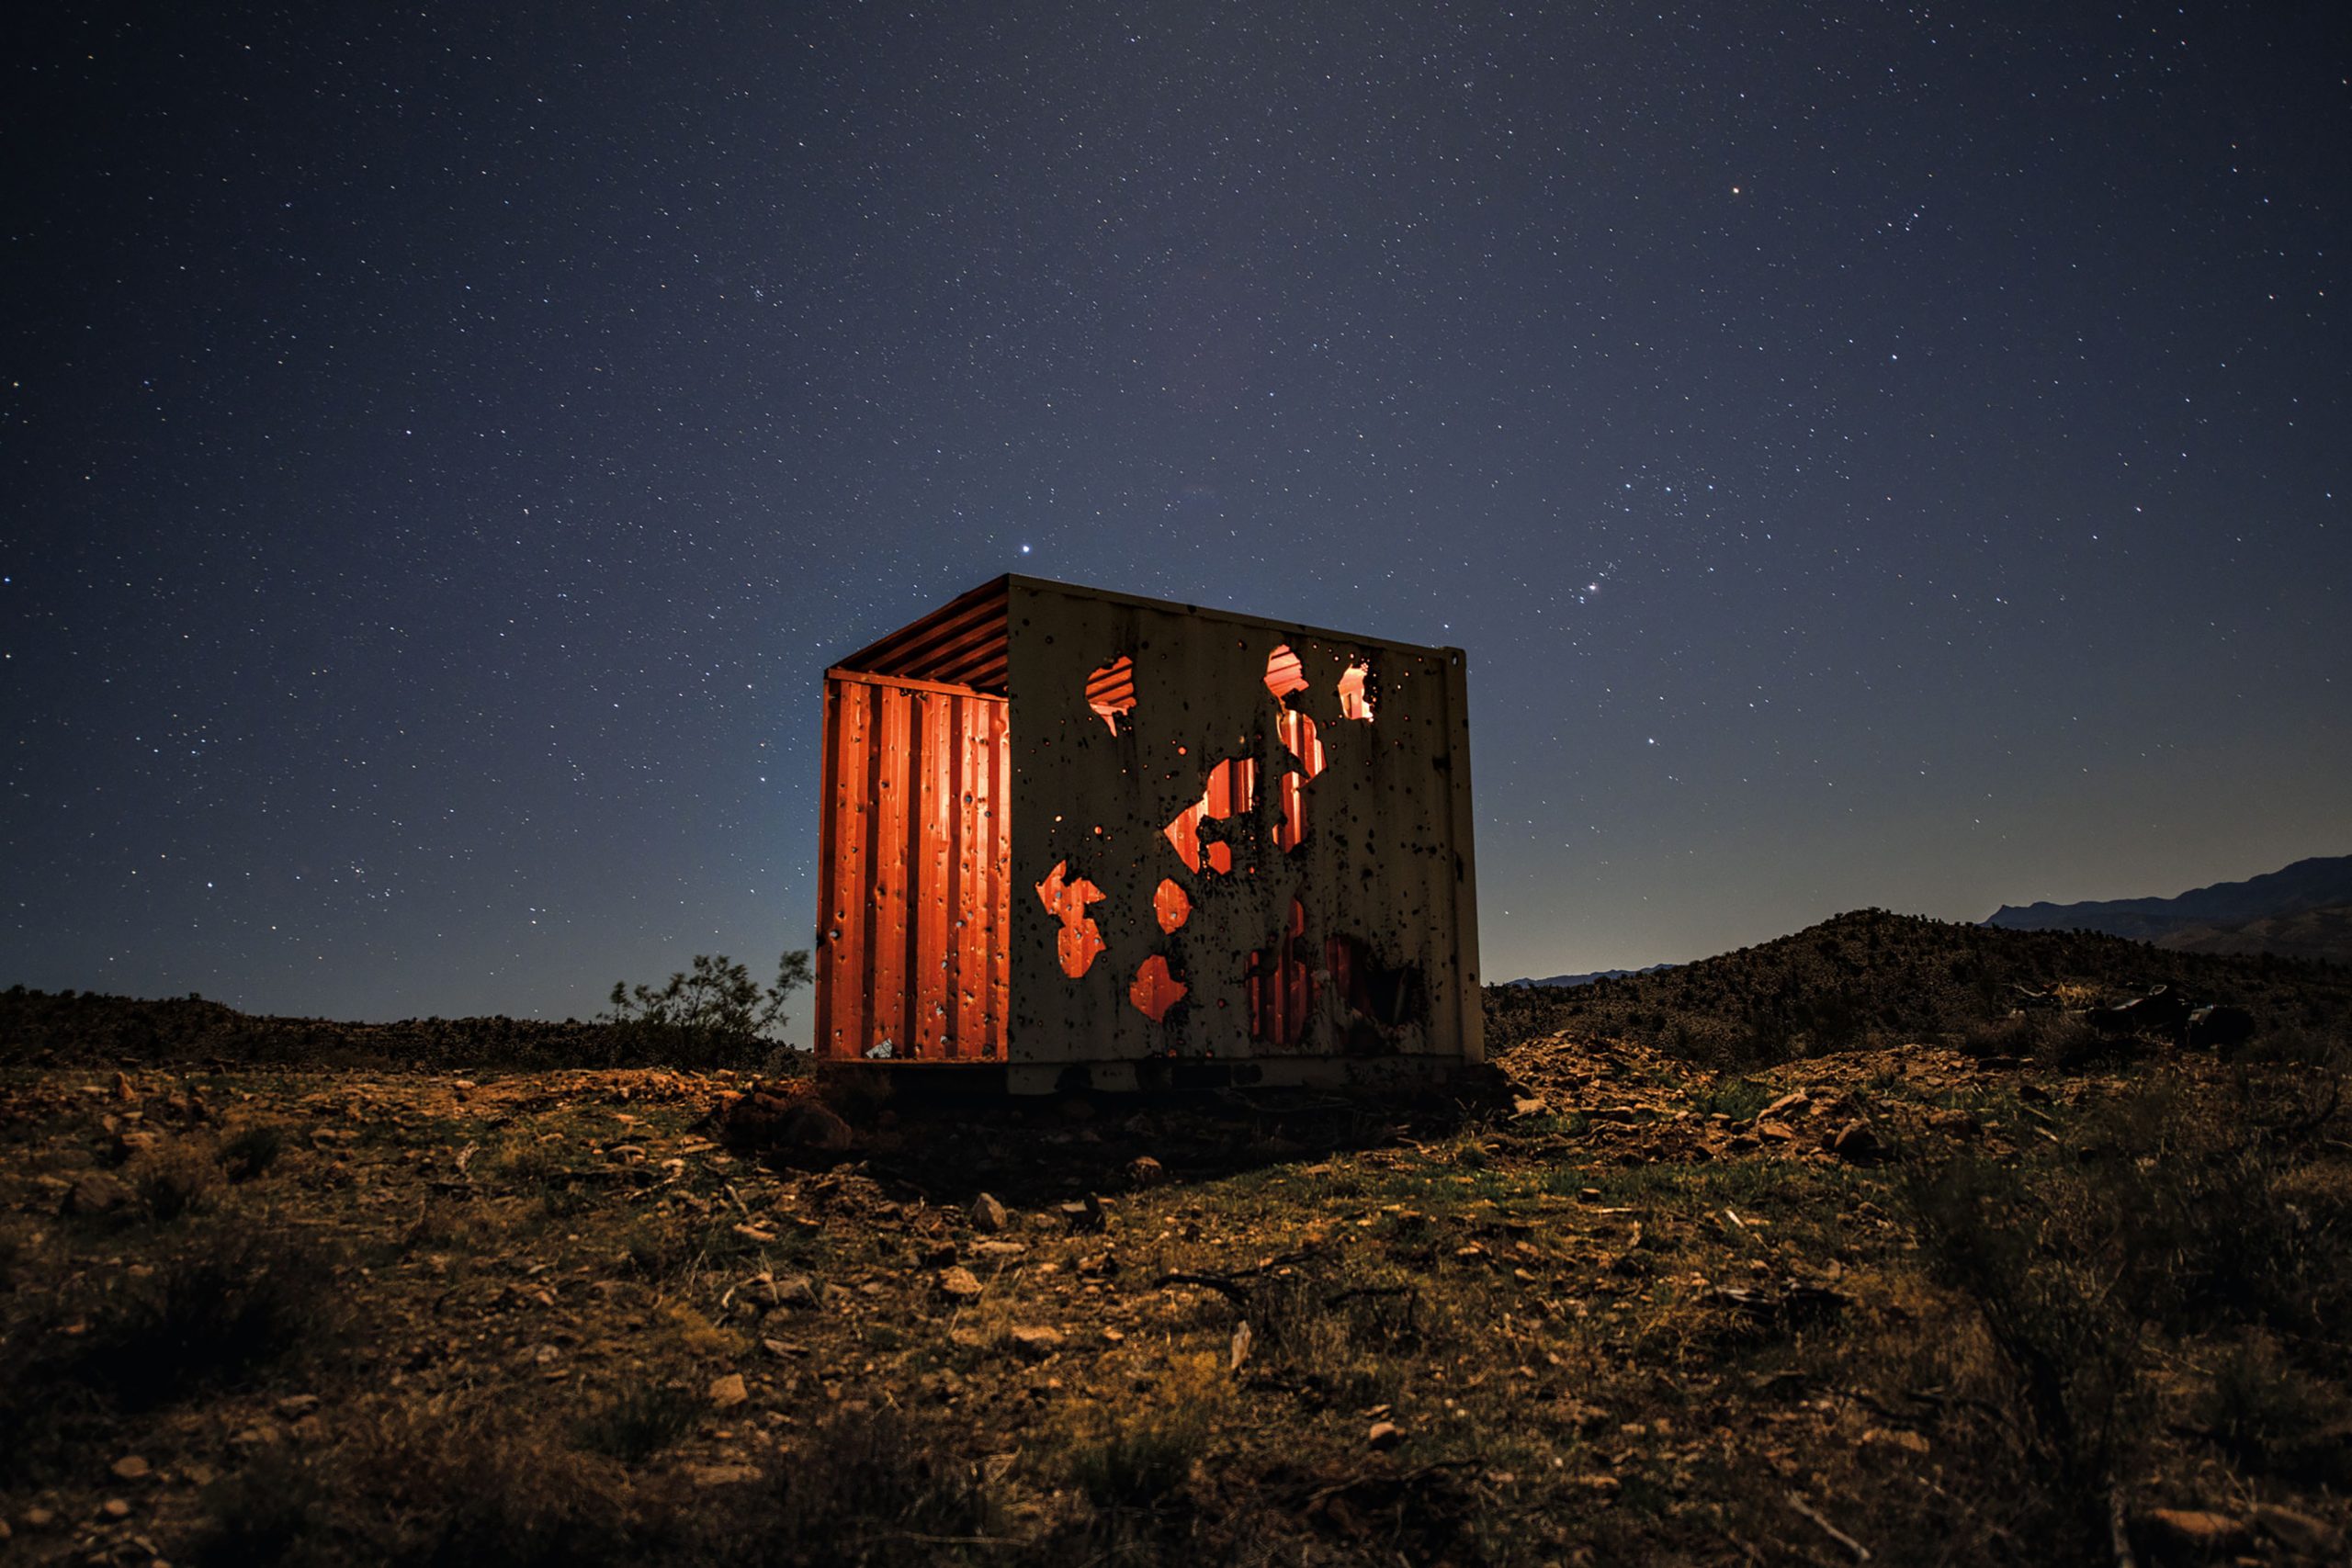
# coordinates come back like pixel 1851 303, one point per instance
pixel 1873 456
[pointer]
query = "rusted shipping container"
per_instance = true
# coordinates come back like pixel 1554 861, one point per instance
pixel 1077 838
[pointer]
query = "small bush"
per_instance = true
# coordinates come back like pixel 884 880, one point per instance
pixel 1152 1444
pixel 870 1486
pixel 258 1517
pixel 209 1319
pixel 2057 1040
pixel 248 1155
pixel 2039 1261
pixel 639 1423
pixel 2273 1420
pixel 175 1181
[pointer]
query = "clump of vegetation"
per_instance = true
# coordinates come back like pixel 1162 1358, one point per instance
pixel 214 1316
pixel 876 1486
pixel 211 1317
pixel 1150 1447
pixel 2173 1211
pixel 173 1180
pixel 712 1013
pixel 249 1153
pixel 640 1422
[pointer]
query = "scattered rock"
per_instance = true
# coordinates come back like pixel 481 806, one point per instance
pixel 2297 1533
pixel 1795 1100
pixel 115 1508
pixel 1858 1144
pixel 1145 1171
pixel 131 1143
pixel 1037 1342
pixel 294 1407
pixel 1086 1218
pixel 2191 1535
pixel 1529 1105
pixel 96 1193
pixel 130 1467
pixel 810 1125
pixel 1384 1435
pixel 728 1391
pixel 795 1290
pixel 708 1475
pixel 988 1216
pixel 959 1283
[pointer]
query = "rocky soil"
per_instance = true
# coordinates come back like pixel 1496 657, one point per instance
pixel 1621 1310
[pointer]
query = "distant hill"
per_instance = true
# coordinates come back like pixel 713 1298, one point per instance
pixel 44 1029
pixel 1871 977
pixel 2323 932
pixel 1564 980
pixel 2319 883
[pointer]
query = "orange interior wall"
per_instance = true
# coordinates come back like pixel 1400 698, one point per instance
pixel 914 859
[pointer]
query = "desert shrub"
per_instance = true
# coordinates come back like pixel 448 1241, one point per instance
pixel 1732 1096
pixel 173 1180
pixel 410 1489
pixel 2039 1262
pixel 2273 1419
pixel 209 1318
pixel 2053 1039
pixel 710 1014
pixel 249 1153
pixel 640 1422
pixel 1340 1333
pixel 214 1317
pixel 1147 1454
pixel 2176 1208
pixel 867 1488
pixel 258 1517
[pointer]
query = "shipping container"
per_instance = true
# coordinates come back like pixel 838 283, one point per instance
pixel 1078 839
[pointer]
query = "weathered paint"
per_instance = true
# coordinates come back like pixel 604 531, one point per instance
pixel 1276 820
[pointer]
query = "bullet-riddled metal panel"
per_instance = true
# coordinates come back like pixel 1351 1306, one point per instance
pixel 1330 909
pixel 912 853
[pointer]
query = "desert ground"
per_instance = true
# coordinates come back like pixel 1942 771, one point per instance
pixel 2014 1292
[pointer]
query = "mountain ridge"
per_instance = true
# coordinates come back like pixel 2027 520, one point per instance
pixel 2313 883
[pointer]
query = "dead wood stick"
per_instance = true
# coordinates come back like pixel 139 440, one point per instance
pixel 1361 1292
pixel 1861 1553
pixel 1231 1290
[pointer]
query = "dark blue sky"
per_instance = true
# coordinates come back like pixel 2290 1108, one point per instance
pixel 1873 455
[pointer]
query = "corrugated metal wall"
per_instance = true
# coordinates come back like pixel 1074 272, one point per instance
pixel 914 858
